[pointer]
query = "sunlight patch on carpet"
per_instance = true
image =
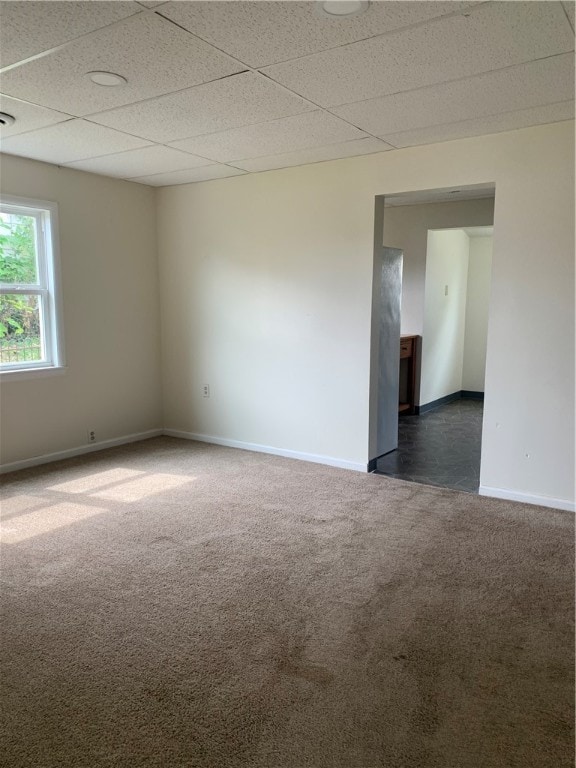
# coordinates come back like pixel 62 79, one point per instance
pixel 45 520
pixel 142 487
pixel 87 483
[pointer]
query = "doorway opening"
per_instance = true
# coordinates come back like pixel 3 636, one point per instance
pixel 428 384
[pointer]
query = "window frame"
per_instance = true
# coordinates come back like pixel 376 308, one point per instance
pixel 45 212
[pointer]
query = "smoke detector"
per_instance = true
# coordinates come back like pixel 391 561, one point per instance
pixel 343 9
pixel 6 120
pixel 107 79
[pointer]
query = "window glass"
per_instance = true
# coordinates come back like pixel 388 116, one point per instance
pixel 20 333
pixel 29 327
pixel 18 248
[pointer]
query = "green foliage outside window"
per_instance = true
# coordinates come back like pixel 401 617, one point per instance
pixel 19 313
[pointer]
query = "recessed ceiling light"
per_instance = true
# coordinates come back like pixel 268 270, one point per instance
pixel 109 79
pixel 344 8
pixel 6 119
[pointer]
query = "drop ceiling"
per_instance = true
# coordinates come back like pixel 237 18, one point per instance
pixel 217 89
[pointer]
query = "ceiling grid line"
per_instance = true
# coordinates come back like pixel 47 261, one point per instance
pixel 472 7
pixel 239 86
pixel 256 71
pixel 496 114
pixel 141 10
pixel 316 106
pixel 464 78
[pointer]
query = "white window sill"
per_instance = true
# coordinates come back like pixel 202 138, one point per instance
pixel 32 373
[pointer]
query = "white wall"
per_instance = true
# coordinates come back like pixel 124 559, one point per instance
pixel 266 296
pixel 444 314
pixel 455 325
pixel 407 226
pixel 477 310
pixel 111 316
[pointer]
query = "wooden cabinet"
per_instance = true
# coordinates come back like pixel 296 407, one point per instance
pixel 408 365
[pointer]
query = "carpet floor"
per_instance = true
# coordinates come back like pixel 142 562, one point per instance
pixel 176 605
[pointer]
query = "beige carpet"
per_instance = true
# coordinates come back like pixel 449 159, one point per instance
pixel 177 605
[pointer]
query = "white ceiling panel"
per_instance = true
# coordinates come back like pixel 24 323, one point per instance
pixel 228 103
pixel 318 154
pixel 406 72
pixel 140 162
pixel 490 36
pixel 260 33
pixel 526 85
pixel 571 12
pixel 28 27
pixel 154 55
pixel 66 142
pixel 28 117
pixel 207 173
pixel 509 121
pixel 313 129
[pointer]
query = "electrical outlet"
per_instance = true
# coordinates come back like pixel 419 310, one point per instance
pixel 206 390
pixel 91 435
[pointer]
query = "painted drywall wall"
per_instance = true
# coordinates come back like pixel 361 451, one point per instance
pixel 444 314
pixel 456 308
pixel 407 226
pixel 111 316
pixel 477 310
pixel 266 287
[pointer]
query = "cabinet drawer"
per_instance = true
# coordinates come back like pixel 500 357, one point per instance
pixel 406 347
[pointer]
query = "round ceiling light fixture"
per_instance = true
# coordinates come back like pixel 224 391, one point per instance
pixel 6 120
pixel 343 9
pixel 108 79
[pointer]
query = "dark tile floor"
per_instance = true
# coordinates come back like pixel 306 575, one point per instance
pixel 440 447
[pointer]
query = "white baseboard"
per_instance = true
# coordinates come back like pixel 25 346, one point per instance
pixel 527 498
pixel 312 457
pixel 497 493
pixel 71 452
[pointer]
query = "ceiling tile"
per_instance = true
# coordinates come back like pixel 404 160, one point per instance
pixel 153 54
pixel 318 154
pixel 312 129
pixel 260 33
pixel 234 101
pixel 66 142
pixel 140 162
pixel 509 121
pixel 571 13
pixel 539 82
pixel 491 36
pixel 28 117
pixel 30 27
pixel 207 173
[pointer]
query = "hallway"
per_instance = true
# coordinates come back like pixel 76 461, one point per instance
pixel 440 447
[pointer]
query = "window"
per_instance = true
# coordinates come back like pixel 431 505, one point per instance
pixel 30 334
